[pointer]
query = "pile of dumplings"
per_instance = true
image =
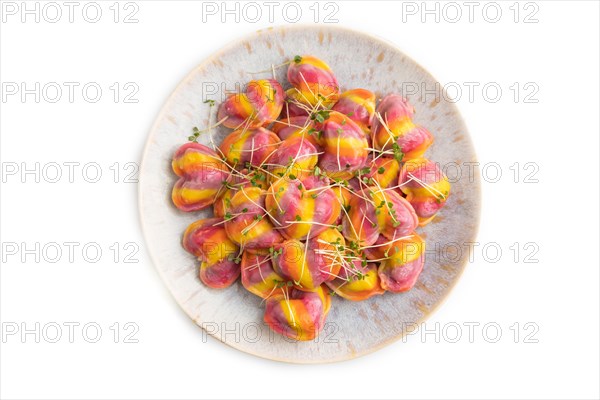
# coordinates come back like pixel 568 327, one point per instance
pixel 315 192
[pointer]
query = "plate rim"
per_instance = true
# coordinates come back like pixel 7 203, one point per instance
pixel 251 36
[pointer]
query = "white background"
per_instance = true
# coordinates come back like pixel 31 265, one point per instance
pixel 559 133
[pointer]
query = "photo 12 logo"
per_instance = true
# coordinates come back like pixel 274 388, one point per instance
pixel 69 172
pixel 270 12
pixel 471 92
pixel 69 252
pixel 471 332
pixel 69 332
pixel 254 332
pixel 69 92
pixel 452 12
pixel 53 12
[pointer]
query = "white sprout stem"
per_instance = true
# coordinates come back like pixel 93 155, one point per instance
pixel 429 188
pixel 387 243
pixel 248 228
pixel 257 205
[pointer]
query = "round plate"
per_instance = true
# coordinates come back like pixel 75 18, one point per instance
pixel 234 315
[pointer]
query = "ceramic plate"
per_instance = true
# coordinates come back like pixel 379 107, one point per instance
pixel 234 315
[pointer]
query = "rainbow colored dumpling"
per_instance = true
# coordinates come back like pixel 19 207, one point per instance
pixel 260 105
pixel 302 209
pixel 356 282
pixel 206 239
pixel 246 220
pixel 297 314
pixel 344 145
pixel 359 106
pixel 309 264
pixel 258 275
pixel 401 259
pixel 301 126
pixel 314 84
pixel 426 187
pixel 375 211
pixel 394 129
pixel 249 146
pixel 201 176
pixel 295 157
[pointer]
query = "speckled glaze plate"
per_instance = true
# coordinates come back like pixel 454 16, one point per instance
pixel 234 315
